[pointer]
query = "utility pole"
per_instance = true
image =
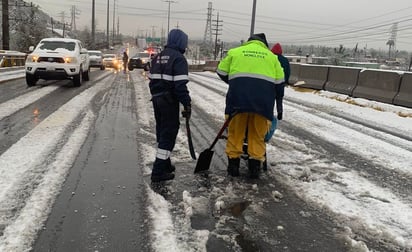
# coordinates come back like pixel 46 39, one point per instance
pixel 93 25
pixel 5 26
pixel 217 30
pixel 114 18
pixel 118 26
pixel 252 26
pixel 168 14
pixel 108 21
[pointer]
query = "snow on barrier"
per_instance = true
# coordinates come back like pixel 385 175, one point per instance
pixel 211 65
pixel 313 76
pixel 378 85
pixel 404 96
pixel 196 68
pixel 342 80
pixel 12 58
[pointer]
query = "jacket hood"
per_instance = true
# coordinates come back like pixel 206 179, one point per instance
pixel 177 39
pixel 277 49
pixel 259 36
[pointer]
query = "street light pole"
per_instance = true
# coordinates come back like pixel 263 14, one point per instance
pixel 168 14
pixel 93 25
pixel 107 24
pixel 252 26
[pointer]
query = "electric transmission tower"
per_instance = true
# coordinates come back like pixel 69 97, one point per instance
pixel 208 31
pixel 392 39
pixel 74 14
pixel 217 29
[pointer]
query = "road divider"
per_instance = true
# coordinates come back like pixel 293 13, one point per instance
pixel 404 96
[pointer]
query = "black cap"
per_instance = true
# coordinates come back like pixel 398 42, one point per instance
pixel 259 36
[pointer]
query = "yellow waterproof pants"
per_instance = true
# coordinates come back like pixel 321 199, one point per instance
pixel 257 126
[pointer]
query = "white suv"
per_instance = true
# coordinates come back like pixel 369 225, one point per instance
pixel 57 59
pixel 96 59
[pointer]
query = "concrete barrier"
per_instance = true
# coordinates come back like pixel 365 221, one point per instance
pixel 294 73
pixel 404 96
pixel 313 76
pixel 196 68
pixel 378 85
pixel 210 65
pixel 342 80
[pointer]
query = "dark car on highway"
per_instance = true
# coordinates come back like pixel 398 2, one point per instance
pixel 140 60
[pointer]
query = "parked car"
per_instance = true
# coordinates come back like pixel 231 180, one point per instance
pixel 140 60
pixel 111 60
pixel 57 59
pixel 96 59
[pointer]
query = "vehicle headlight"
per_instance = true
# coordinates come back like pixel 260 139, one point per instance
pixel 144 61
pixel 115 61
pixel 70 59
pixel 32 58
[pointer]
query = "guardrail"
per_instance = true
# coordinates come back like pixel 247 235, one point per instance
pixel 393 87
pixel 12 58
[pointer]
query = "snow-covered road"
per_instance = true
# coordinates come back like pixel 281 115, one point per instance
pixel 348 158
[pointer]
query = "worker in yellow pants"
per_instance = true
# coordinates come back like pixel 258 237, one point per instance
pixel 257 127
pixel 253 74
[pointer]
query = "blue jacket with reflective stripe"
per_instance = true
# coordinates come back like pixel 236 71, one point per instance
pixel 253 72
pixel 169 69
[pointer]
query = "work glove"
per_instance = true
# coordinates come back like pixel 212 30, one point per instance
pixel 187 112
pixel 280 116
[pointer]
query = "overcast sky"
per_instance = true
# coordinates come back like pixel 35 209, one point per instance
pixel 298 22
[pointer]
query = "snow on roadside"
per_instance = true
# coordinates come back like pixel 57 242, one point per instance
pixel 356 201
pixel 167 233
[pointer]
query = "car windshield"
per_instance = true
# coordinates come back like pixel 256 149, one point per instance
pixel 106 56
pixel 143 55
pixel 53 45
pixel 95 53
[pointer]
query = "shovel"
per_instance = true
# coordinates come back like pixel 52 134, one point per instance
pixel 189 138
pixel 205 157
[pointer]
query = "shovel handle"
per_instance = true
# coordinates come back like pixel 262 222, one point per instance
pixel 219 134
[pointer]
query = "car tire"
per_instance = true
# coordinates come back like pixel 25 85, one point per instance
pixel 130 68
pixel 102 67
pixel 86 75
pixel 77 79
pixel 146 68
pixel 30 80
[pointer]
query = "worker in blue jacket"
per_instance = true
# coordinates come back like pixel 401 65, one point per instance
pixel 280 89
pixel 168 78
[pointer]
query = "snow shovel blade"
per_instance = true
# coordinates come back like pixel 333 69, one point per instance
pixel 204 160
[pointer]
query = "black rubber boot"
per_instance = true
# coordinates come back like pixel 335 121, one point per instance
pixel 170 168
pixel 160 171
pixel 233 167
pixel 265 164
pixel 254 168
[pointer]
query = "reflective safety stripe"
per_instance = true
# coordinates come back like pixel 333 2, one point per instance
pixel 223 73
pixel 256 76
pixel 168 77
pixel 162 154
